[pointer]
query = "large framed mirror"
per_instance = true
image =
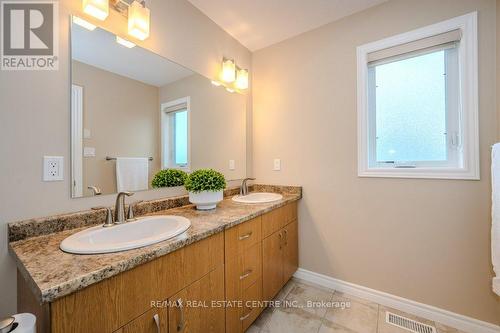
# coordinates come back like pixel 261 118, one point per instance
pixel 134 113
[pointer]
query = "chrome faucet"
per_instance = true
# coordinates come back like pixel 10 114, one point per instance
pixel 95 190
pixel 244 186
pixel 120 206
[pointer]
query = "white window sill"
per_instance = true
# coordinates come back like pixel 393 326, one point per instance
pixel 422 173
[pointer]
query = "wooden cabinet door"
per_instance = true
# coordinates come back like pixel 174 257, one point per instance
pixel 272 265
pixel 290 251
pixel 192 309
pixel 153 321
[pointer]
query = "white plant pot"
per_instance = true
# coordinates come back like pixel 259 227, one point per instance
pixel 206 200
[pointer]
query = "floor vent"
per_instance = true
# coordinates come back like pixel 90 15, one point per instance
pixel 408 324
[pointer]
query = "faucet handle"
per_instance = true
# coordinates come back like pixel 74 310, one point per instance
pixel 109 216
pixel 130 213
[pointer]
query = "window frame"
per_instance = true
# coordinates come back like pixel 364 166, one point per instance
pixel 468 113
pixel 168 161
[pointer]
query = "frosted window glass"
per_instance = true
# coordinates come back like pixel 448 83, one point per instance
pixel 411 109
pixel 181 138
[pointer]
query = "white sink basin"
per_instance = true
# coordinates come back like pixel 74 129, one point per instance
pixel 131 235
pixel 258 197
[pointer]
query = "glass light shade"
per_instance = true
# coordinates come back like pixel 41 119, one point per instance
pixel 81 22
pixel 124 42
pixel 96 8
pixel 138 21
pixel 228 73
pixel 241 79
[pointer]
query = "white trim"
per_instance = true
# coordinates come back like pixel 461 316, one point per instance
pixel 468 50
pixel 76 141
pixel 461 322
pixel 184 100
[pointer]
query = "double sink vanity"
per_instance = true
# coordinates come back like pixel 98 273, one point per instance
pixel 213 273
pixel 175 268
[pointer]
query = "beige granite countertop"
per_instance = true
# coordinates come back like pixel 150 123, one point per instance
pixel 52 273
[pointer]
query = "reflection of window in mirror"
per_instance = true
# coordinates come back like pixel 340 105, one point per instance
pixel 175 134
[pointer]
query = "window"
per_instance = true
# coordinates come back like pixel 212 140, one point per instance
pixel 417 103
pixel 175 134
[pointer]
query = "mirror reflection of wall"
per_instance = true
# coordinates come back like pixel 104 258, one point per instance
pixel 145 113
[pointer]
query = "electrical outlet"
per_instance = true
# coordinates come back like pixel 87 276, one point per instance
pixel 277 164
pixel 53 167
pixel 232 165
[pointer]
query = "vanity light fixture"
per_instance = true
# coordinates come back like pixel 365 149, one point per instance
pixel 96 8
pixel 228 73
pixel 216 83
pixel 81 22
pixel 124 42
pixel 241 79
pixel 138 20
pixel 230 90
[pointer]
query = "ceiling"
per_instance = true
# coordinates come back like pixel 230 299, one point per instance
pixel 99 48
pixel 260 23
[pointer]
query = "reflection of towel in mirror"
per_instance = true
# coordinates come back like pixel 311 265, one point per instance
pixel 495 214
pixel 132 173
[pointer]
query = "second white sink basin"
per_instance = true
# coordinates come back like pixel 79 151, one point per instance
pixel 258 197
pixel 131 235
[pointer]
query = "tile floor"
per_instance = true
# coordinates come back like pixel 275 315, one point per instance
pixel 348 315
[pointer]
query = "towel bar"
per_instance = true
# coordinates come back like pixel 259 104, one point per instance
pixel 114 158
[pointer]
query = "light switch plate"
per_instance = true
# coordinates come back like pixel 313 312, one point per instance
pixel 86 133
pixel 88 152
pixel 277 164
pixel 232 165
pixel 53 167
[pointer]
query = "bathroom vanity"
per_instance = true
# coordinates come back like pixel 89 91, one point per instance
pixel 211 278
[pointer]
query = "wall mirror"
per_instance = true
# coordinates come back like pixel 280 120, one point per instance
pixel 134 113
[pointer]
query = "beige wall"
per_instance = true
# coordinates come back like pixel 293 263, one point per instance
pixel 34 116
pixel 426 240
pixel 217 124
pixel 123 116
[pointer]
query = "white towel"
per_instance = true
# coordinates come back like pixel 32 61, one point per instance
pixel 132 173
pixel 495 215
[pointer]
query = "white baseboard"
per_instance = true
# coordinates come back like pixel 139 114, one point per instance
pixel 463 323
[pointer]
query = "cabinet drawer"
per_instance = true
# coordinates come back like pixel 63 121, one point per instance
pixel 242 237
pixel 252 305
pixel 243 271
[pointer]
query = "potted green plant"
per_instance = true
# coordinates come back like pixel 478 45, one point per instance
pixel 169 178
pixel 205 187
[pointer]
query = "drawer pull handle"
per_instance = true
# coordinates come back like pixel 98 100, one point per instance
pixel 180 325
pixel 286 237
pixel 246 274
pixel 245 236
pixel 156 318
pixel 245 316
pixel 281 239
